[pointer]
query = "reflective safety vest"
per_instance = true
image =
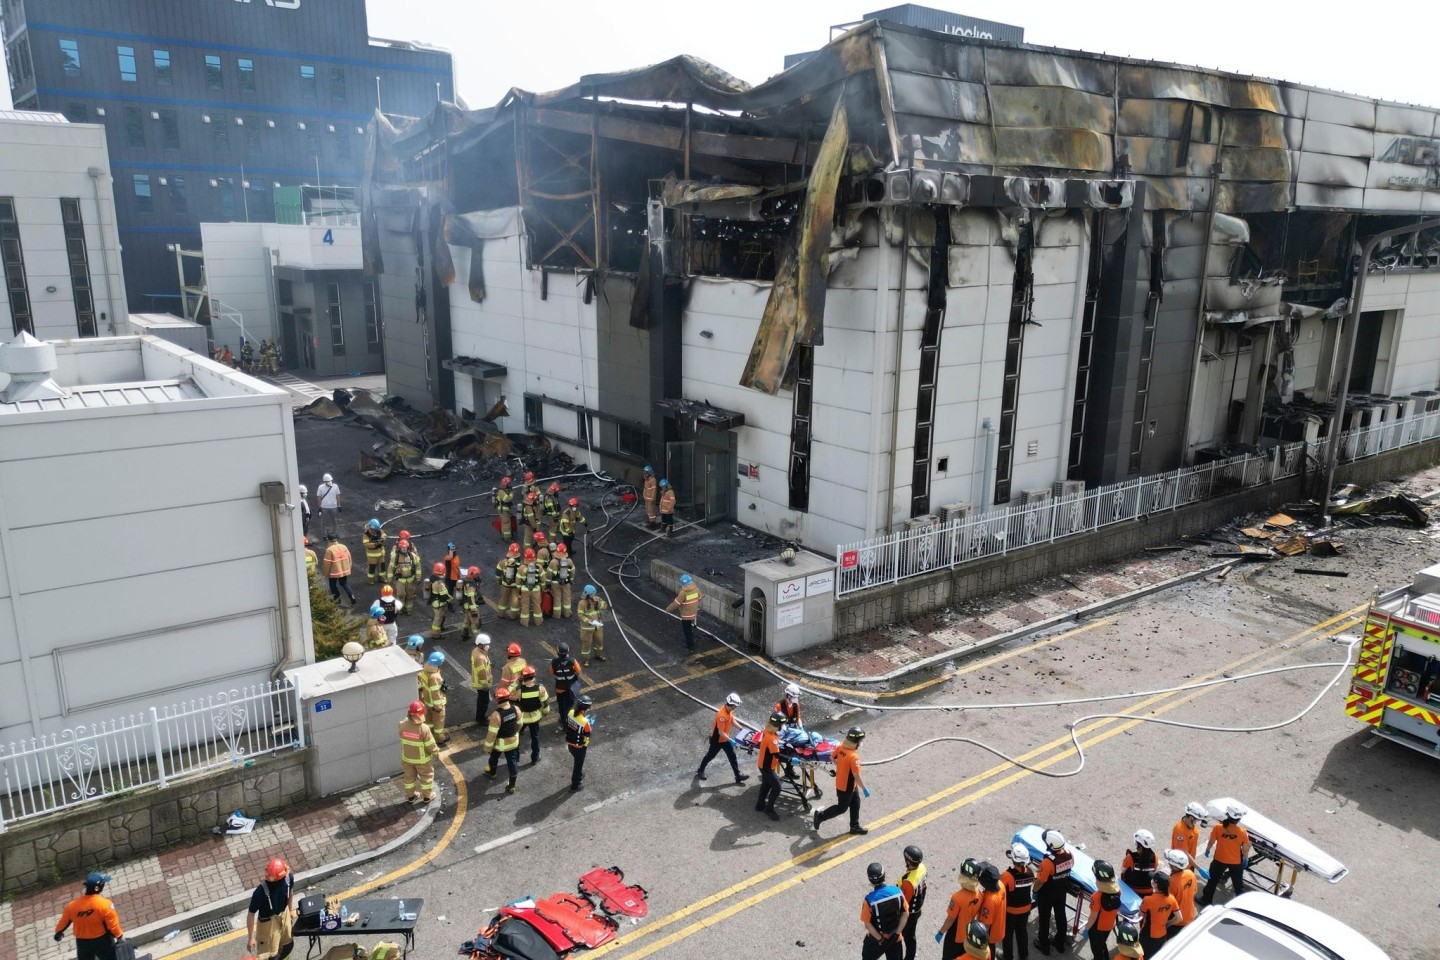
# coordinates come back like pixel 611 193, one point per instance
pixel 510 675
pixel 431 692
pixel 1139 874
pixel 1018 883
pixel 504 733
pixel 914 878
pixel 531 577
pixel 886 904
pixel 417 743
pixel 1055 886
pixel 404 564
pixel 439 593
pixel 565 671
pixel 504 497
pixel 562 570
pixel 534 703
pixel 688 600
pixel 389 610
pixel 589 608
pixel 470 594
pixel 505 570
pixel 552 507
pixel 375 636
pixel 374 541
pixel 532 513
pixel 480 671
pixel 577 729
pixel 565 526
pixel 337 561
pixel 312 562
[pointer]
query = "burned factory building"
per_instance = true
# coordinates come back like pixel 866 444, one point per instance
pixel 913 275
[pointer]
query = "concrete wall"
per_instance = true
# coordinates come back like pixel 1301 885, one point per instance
pixel 715 600
pixel 40 162
pixel 1412 358
pixel 237 271
pixel 122 828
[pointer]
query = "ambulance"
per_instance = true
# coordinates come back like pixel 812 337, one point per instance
pixel 1395 687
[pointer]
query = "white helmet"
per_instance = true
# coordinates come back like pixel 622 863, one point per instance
pixel 304 490
pixel 1054 839
pixel 732 699
pixel 1178 859
pixel 1019 853
pixel 1197 810
pixel 482 639
pixel 1235 811
pixel 792 690
pixel 328 479
pixel 1144 838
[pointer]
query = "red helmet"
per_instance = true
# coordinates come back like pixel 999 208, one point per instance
pixel 404 544
pixel 539 536
pixel 505 481
pixel 502 694
pixel 531 497
pixel 387 591
pixel 574 501
pixel 513 650
pixel 560 549
pixel 529 554
pixel 307 541
pixel 513 550
pixel 529 477
pixel 404 534
pixel 554 488
pixel 417 709
pixel 277 869
pixel 474 573
pixel 439 570
pixel 528 673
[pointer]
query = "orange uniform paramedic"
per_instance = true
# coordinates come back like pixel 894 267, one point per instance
pixel 97 925
pixel 964 907
pixel 1185 835
pixel 849 783
pixel 1157 912
pixel 722 731
pixel 992 904
pixel 1231 845
pixel 769 764
pixel 1104 909
pixel 1182 884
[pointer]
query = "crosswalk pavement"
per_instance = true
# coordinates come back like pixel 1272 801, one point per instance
pixel 303 391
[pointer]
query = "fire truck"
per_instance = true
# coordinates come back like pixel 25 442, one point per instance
pixel 1395 687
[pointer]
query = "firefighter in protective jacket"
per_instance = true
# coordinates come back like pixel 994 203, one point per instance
pixel 432 692
pixel 417 755
pixel 503 738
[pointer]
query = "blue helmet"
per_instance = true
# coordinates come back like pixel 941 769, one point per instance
pixel 450 546
pixel 415 642
pixel 686 579
pixel 377 612
pixel 649 469
pixel 436 658
pixel 373 524
pixel 664 483
pixel 589 589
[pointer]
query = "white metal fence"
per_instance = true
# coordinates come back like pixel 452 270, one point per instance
pixel 879 561
pixel 87 763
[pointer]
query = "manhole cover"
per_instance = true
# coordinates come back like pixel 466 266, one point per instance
pixel 210 929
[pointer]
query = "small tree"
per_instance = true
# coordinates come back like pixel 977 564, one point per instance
pixel 333 627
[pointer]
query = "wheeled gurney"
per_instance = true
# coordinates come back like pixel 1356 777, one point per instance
pixel 1276 851
pixel 802 753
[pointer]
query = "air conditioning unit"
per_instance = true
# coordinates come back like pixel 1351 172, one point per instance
pixel 1067 488
pixel 1429 400
pixel 1407 407
pixel 921 522
pixel 952 512
pixel 1028 498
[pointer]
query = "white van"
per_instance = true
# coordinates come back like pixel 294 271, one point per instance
pixel 1259 926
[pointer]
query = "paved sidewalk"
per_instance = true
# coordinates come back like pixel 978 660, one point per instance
pixel 160 886
pixel 871 657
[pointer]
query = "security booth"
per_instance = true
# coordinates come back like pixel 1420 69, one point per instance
pixel 789 602
pixel 700 465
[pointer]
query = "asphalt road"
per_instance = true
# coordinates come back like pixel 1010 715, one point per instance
pixel 726 881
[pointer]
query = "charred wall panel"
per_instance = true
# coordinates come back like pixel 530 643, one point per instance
pixel 402 305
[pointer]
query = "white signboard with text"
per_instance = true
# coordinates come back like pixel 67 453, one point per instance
pixel 791 616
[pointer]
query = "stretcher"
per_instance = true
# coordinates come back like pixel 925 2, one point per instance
pixel 802 753
pixel 1278 855
pixel 551 927
pixel 1082 879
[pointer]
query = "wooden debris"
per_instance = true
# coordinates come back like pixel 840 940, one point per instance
pixel 1293 546
pixel 1280 520
pixel 1162 549
pixel 1258 533
pixel 1326 548
pixel 1243 551
pixel 1224 572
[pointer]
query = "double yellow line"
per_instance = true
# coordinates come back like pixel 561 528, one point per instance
pixel 1102 729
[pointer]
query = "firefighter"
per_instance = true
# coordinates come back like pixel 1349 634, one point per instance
pixel 849 784
pixel 562 575
pixel 404 569
pixel 570 523
pixel 504 500
pixel 1158 910
pixel 247 356
pixel 591 611
pixel 1138 869
pixel 993 904
pixel 471 601
pixel 667 508
pixel 769 764
pixel 454 569
pixel 651 492
pixel 312 562
pixel 578 727
pixel 533 702
pixel 1182 885
pixel 1104 910
pixel 687 605
pixel 789 705
pixel 415 646
pixel 514 665
pixel 914 887
pixel 566 670
pixel 1185 835
pixel 417 755
pixel 542 547
pixel 227 357
pixel 1230 843
pixel 97 925
pixel 1018 881
pixel 270 921
pixel 390 608
pixel 532 516
pixel 527 487
pixel 1052 880
pixel 1127 940
pixel 722 733
pixel 550 506
pixel 884 914
pixel 432 692
pixel 375 637
pixel 480 676
pixel 508 606
pixel 373 539
pixel 531 580
pixel 503 738
pixel 964 907
pixel 337 568
pixel 439 596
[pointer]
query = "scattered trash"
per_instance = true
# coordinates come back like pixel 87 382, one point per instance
pixel 1281 520
pixel 171 935
pixel 1163 549
pixel 1381 506
pixel 1293 546
pixel 389 505
pixel 1242 550
pixel 1258 533
pixel 1326 548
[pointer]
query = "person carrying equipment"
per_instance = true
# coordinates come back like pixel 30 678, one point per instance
pixel 789 705
pixel 530 581
pixel 373 539
pixel 722 732
pixel 1185 835
pixel 507 575
pixel 561 576
pixel 667 508
pixel 532 516
pixel 590 612
pixel 1051 881
pixel 504 500
pixel 503 738
pixel 270 921
pixel 432 693
pixel 1018 882
pixel 849 784
pixel 884 914
pixel 570 523
pixel 566 672
pixel 650 489
pixel 97 925
pixel 1231 845
pixel 514 665
pixel 687 606
pixel 404 569
pixel 471 601
pixel 1182 885
pixel 1104 910
pixel 1138 870
pixel 417 755
pixel 550 505
pixel 440 598
pixel 578 728
pixel 769 764
pixel 533 702
pixel 480 676
pixel 963 909
pixel 914 888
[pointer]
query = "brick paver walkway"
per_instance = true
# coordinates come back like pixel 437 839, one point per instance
pixel 199 873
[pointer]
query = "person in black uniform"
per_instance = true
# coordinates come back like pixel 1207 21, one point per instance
pixel 884 914
pixel 566 671
pixel 578 728
pixel 914 887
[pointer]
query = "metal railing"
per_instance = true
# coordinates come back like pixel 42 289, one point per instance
pixel 92 762
pixel 888 559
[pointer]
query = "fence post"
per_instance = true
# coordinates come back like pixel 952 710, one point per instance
pixel 894 539
pixel 300 715
pixel 159 749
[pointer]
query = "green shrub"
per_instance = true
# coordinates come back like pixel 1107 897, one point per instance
pixel 333 625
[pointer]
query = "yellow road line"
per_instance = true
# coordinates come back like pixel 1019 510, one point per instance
pixel 996 770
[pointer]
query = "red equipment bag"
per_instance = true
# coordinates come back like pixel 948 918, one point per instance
pixel 495 523
pixel 607 884
pixel 577 917
pixel 547 602
pixel 553 934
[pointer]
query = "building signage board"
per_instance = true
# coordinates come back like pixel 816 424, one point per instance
pixel 850 559
pixel 790 590
pixel 1414 152
pixel 791 616
pixel 819 583
pixel 322 705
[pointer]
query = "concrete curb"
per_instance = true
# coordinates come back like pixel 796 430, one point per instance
pixel 151 933
pixel 1039 626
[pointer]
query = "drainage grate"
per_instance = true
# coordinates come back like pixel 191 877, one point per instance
pixel 210 929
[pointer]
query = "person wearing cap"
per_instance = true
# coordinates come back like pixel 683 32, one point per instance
pixel 514 666
pixel 1158 911
pixel 372 538
pixel 270 921
pixel 417 755
pixel 1127 941
pixel 722 732
pixel 667 508
pixel 405 569
pixel 432 694
pixel 914 888
pixel 566 671
pixel 312 562
pixel 390 609
pixel 502 739
pixel 533 702
pixel 687 605
pixel 884 914
pixel 337 568
pixel 1104 910
pixel 650 489
pixel 578 728
pixel 327 498
pixel 1018 881
pixel 481 675
pixel 849 783
pixel 97 925
pixel 590 612
pixel 1138 869
pixel 964 907
pixel 769 764
pixel 507 573
pixel 1185 835
pixel 1182 885
pixel 1230 843
pixel 993 904
pixel 1052 882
